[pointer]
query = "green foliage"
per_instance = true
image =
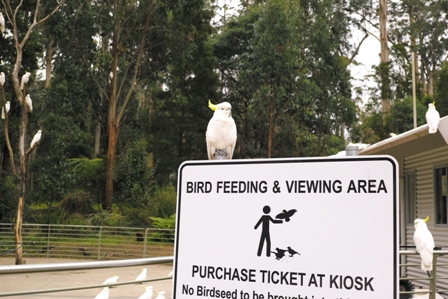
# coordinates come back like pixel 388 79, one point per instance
pixel 401 118
pixel 441 95
pixel 134 178
pixel 286 84
pixel 88 175
pixel 77 202
pixel 167 222
pixel 163 201
pixel 114 218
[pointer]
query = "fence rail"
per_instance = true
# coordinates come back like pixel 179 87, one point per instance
pixel 127 244
pixel 88 242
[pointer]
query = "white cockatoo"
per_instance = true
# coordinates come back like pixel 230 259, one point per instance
pixel 161 295
pixel 36 138
pixel 104 294
pixel 2 78
pixel 147 294
pixel 221 132
pixel 432 118
pixel 25 79
pixel 7 107
pixel 29 103
pixel 112 279
pixel 424 243
pixel 2 23
pixel 142 275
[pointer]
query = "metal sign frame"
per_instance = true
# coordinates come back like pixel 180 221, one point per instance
pixel 301 228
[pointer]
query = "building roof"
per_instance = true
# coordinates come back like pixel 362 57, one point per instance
pixel 411 142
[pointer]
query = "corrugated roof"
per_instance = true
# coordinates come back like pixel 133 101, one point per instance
pixel 411 137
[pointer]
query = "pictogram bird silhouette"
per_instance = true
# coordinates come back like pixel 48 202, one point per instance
pixel 286 215
pixel 292 251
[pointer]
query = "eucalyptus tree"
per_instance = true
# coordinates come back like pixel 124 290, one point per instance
pixel 284 64
pixel 22 20
pixel 178 108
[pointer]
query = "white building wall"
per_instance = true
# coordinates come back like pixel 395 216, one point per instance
pixel 423 165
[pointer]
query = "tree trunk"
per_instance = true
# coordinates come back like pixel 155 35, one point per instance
pixel 18 232
pixel 271 127
pixel 48 65
pixel 112 129
pixel 384 69
pixel 97 138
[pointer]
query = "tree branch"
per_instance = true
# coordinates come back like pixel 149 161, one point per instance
pixel 136 68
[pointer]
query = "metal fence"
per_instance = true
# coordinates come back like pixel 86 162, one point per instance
pixel 20 269
pixel 88 242
pixel 431 285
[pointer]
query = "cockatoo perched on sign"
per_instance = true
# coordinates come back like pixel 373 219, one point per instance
pixel 2 78
pixel 221 132
pixel 2 23
pixel 432 118
pixel 36 138
pixel 7 108
pixel 25 79
pixel 29 103
pixel 424 243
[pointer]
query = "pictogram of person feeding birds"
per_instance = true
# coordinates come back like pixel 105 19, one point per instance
pixel 265 221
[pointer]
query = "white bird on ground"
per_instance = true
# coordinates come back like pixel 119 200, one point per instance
pixel 161 295
pixel 142 275
pixel 432 118
pixel 147 294
pixel 221 132
pixel 104 294
pixel 25 79
pixel 112 279
pixel 2 23
pixel 36 138
pixel 2 78
pixel 29 102
pixel 7 108
pixel 424 243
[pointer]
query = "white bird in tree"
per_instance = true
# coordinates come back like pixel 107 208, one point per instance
pixel 2 78
pixel 104 294
pixel 25 79
pixel 36 138
pixel 7 108
pixel 29 103
pixel 147 294
pixel 161 295
pixel 221 132
pixel 2 23
pixel 424 243
pixel 112 279
pixel 142 275
pixel 432 118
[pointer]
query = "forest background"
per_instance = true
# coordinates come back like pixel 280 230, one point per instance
pixel 120 88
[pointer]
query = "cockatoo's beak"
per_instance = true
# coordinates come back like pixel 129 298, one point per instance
pixel 426 219
pixel 211 106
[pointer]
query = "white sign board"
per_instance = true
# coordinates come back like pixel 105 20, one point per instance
pixel 316 228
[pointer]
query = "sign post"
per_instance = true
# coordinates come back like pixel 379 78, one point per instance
pixel 314 228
